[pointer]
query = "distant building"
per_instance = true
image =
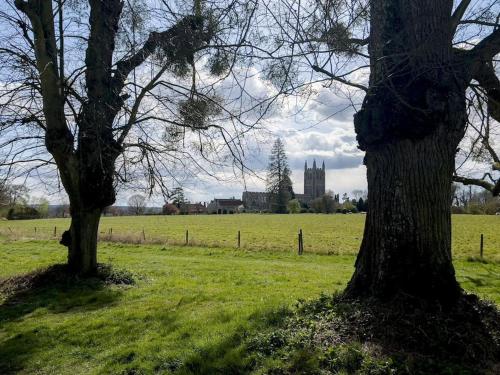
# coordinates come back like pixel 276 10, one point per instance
pixel 185 209
pixel 224 206
pixel 314 187
pixel 255 200
pixel 314 182
pixel 194 208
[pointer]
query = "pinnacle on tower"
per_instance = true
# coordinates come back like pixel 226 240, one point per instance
pixel 314 164
pixel 323 166
pixel 305 166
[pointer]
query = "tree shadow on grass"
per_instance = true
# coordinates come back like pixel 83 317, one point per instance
pixel 401 336
pixel 229 355
pixel 484 277
pixel 57 291
pixel 334 335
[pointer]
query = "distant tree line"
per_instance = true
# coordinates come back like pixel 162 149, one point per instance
pixel 467 200
pixel 15 203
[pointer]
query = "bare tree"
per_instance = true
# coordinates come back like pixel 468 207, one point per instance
pixel 409 65
pixel 137 204
pixel 12 195
pixel 110 92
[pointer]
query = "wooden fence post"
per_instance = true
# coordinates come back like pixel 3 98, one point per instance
pixel 481 246
pixel 239 239
pixel 55 231
pixel 187 236
pixel 143 234
pixel 301 242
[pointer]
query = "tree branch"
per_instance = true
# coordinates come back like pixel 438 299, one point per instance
pixel 180 37
pixel 458 14
pixel 493 188
pixel 478 22
pixel 485 75
pixel 58 139
pixel 487 48
pixel 104 18
pixel 319 69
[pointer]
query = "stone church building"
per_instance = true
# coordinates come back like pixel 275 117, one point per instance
pixel 314 187
pixel 314 182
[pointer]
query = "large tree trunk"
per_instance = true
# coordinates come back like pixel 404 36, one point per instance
pixel 88 180
pixel 82 244
pixel 410 125
pixel 407 240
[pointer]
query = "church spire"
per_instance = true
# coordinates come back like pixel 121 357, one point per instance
pixel 323 166
pixel 305 166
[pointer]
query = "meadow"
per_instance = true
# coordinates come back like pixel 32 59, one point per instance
pixel 192 307
pixel 323 234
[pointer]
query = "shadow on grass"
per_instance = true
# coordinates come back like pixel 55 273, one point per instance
pixel 232 355
pixel 57 291
pixel 333 335
pixel 225 356
pixel 484 277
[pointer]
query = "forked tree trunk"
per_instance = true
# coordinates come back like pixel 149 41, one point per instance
pixel 407 239
pixel 82 244
pixel 88 180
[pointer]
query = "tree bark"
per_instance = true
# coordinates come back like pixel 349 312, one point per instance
pixel 89 183
pixel 411 122
pixel 406 246
pixel 82 241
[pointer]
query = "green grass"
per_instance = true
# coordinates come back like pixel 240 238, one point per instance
pixel 327 234
pixel 190 310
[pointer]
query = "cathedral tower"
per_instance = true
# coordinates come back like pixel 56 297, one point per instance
pixel 314 181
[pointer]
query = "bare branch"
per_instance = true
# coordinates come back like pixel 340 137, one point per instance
pixel 486 77
pixel 338 79
pixel 493 188
pixel 458 14
pixel 487 48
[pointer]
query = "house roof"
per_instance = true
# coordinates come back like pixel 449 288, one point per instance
pixel 229 202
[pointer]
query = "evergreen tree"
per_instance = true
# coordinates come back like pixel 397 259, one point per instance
pixel 279 184
pixel 178 197
pixel 361 205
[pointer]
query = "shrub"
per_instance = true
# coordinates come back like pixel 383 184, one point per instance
pixel 293 206
pixel 23 213
pixel 457 210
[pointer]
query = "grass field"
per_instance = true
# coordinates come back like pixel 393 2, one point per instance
pixel 192 307
pixel 325 234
